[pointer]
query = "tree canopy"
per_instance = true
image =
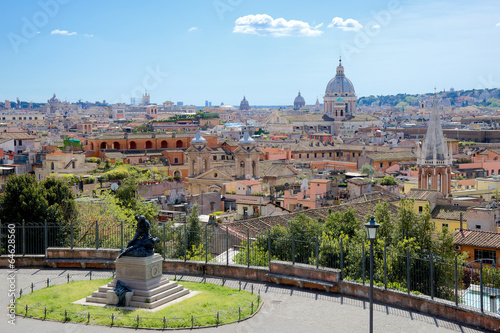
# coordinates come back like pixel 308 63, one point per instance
pixel 26 199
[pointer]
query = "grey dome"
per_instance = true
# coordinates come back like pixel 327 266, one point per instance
pixel 246 139
pixel 198 138
pixel 244 105
pixel 299 99
pixel 299 102
pixel 340 84
pixel 444 102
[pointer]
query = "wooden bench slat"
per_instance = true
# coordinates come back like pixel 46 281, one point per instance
pixel 300 279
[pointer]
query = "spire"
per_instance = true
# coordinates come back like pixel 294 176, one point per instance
pixel 340 68
pixel 434 150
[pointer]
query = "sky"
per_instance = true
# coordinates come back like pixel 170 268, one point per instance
pixel 221 50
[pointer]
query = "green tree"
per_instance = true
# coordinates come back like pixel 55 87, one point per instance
pixel 367 169
pixel 126 193
pixel 388 180
pixel 387 223
pixel 341 224
pixel 413 230
pixel 194 237
pixel 26 199
pixel 58 194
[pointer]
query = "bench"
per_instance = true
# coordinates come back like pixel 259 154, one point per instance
pixel 77 263
pixel 278 278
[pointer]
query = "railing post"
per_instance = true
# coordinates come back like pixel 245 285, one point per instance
pixel 341 258
pixel 248 247
pixel 293 248
pixel 96 235
pixel 408 270
pixel 227 245
pixel 164 242
pixel 456 280
pixel 385 266
pixel 364 261
pixel 432 276
pixel 206 243
pixel 121 235
pixel 317 251
pixel 45 235
pixel 481 285
pixel 185 242
pixel 24 238
pixel 72 235
pixel 269 246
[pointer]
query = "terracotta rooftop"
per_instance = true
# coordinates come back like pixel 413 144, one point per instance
pixel 358 181
pixel 421 194
pixel 448 212
pixel 260 225
pixel 477 238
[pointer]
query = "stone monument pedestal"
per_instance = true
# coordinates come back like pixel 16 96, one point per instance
pixel 143 275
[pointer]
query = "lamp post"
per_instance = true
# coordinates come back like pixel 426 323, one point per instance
pixel 371 232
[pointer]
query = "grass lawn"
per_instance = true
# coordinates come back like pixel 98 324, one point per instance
pixel 202 307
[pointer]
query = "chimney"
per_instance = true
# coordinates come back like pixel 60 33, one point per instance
pixel 461 221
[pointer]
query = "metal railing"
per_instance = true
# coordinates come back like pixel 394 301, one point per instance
pixel 454 280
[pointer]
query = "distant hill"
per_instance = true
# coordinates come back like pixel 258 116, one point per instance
pixel 458 98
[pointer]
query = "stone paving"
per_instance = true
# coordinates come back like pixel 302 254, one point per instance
pixel 285 309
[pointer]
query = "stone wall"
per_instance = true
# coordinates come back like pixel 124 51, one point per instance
pixel 62 257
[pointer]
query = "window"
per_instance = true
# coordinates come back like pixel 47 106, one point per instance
pixel 485 256
pixel 420 209
pixel 176 160
pixel 215 157
pixel 307 155
pixel 381 164
pixel 223 157
pixel 300 155
pixel 444 226
pixel 478 226
pixel 212 206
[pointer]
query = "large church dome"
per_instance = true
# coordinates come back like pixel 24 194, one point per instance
pixel 299 102
pixel 339 84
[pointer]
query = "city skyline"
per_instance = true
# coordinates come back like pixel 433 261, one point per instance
pixel 222 50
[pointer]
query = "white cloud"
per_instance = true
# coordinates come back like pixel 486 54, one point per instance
pixel 265 25
pixel 376 26
pixel 88 35
pixel 62 32
pixel 497 25
pixel 347 25
pixel 192 29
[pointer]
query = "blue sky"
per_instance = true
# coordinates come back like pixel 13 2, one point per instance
pixel 220 50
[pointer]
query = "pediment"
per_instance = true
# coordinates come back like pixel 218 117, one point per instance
pixel 211 174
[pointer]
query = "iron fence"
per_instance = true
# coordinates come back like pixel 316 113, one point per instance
pixel 467 284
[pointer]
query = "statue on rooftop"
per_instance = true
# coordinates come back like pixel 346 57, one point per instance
pixel 142 245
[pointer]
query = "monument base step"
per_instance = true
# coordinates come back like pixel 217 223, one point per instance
pixel 161 293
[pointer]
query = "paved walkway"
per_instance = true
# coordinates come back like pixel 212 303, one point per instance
pixel 285 309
